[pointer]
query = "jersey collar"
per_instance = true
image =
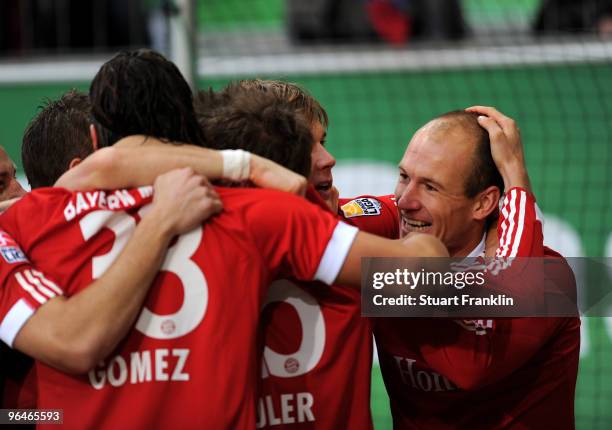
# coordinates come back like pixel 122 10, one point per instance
pixel 480 248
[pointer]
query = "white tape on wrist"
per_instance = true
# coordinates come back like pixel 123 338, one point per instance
pixel 236 164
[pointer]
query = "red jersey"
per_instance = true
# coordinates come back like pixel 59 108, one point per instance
pixel 190 361
pixel 315 343
pixel 23 288
pixel 484 374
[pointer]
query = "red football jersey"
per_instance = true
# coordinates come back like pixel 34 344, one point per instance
pixel 190 361
pixel 315 341
pixel 23 288
pixel 483 374
pixel 317 356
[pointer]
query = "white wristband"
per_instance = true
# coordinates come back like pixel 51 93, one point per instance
pixel 236 164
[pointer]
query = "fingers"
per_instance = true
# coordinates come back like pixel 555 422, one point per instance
pixel 489 111
pixel 333 201
pixel 493 128
pixel 183 200
pixel 506 123
pixel 300 187
pixel 211 199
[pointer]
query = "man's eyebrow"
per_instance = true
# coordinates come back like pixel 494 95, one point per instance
pixel 424 179
pixel 434 182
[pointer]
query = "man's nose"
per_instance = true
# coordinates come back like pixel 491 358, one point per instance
pixel 409 199
pixel 324 160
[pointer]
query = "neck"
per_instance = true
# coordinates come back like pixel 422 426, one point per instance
pixel 466 247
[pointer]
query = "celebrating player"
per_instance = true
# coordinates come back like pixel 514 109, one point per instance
pixel 74 334
pixel 520 372
pixel 339 345
pixel 337 334
pixel 191 357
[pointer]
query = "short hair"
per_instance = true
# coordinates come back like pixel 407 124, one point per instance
pixel 209 103
pixel 483 172
pixel 261 124
pixel 297 97
pixel 55 136
pixel 141 92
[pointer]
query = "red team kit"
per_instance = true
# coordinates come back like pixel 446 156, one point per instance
pixel 198 358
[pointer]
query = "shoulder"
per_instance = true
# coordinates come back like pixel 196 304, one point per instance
pixel 34 207
pixel 366 205
pixel 10 250
pixel 556 260
pixel 549 252
pixel 235 198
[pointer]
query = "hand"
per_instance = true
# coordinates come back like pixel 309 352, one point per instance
pixel 430 246
pixel 183 200
pixel 267 174
pixel 506 146
pixel 332 202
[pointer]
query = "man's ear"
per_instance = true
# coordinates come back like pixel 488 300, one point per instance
pixel 486 203
pixel 75 162
pixel 94 138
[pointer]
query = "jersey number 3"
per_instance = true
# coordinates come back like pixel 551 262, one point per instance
pixel 177 261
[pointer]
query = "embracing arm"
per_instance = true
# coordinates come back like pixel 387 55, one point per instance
pixel 75 333
pixel 137 160
pixel 369 245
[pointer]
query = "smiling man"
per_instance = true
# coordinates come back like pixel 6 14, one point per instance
pixel 449 182
pixel 488 373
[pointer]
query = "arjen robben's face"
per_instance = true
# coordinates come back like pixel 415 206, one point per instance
pixel 430 192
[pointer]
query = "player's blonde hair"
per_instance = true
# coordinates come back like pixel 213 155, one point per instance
pixel 297 97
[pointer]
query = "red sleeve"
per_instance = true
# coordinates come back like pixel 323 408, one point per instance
pixel 519 231
pixel 477 356
pixel 374 214
pixel 519 228
pixel 298 239
pixel 23 289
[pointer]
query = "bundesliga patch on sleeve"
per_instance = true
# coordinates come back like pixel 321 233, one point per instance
pixel 10 251
pixel 364 206
pixel 13 254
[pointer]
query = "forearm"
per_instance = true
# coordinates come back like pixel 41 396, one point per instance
pixel 515 176
pixel 369 245
pixel 74 334
pixel 135 166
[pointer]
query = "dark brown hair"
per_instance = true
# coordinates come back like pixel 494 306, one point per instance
pixel 141 92
pixel 484 172
pixel 55 136
pixel 259 123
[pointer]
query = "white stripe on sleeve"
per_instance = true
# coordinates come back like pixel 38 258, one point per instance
pixel 38 283
pixel 30 288
pixel 47 282
pixel 14 320
pixel 521 224
pixel 337 249
pixel 504 246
